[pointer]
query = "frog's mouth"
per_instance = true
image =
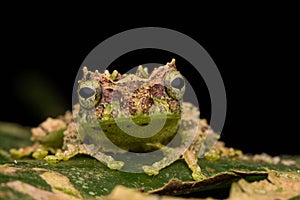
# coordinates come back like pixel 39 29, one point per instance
pixel 134 137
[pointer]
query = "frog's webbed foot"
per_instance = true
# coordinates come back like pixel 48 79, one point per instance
pixel 150 170
pixel 190 158
pixel 71 151
pixel 110 162
pixel 157 166
pixel 171 155
pixel 192 162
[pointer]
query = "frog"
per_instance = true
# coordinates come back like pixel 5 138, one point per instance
pixel 117 113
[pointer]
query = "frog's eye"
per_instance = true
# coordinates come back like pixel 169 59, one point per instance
pixel 175 84
pixel 89 93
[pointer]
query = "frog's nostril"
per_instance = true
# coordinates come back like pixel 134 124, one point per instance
pixel 177 83
pixel 86 92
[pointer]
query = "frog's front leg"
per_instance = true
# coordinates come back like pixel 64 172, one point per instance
pixel 170 156
pixel 190 144
pixel 71 150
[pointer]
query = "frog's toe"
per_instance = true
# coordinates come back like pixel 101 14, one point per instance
pixel 150 170
pixel 198 176
pixel 40 154
pixel 52 159
pixel 115 165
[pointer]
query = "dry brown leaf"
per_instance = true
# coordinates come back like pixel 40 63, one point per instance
pixel 280 185
pixel 175 186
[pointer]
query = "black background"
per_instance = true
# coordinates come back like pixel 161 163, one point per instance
pixel 255 56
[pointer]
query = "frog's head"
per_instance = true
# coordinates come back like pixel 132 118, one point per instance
pixel 131 94
pixel 134 99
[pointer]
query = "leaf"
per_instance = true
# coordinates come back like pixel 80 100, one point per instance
pixel 12 136
pixel 60 183
pixel 220 180
pixel 85 177
pixel 280 185
pixel 121 192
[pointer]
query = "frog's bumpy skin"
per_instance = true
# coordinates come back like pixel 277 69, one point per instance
pixel 121 125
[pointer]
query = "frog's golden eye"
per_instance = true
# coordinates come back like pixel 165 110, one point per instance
pixel 175 84
pixel 89 93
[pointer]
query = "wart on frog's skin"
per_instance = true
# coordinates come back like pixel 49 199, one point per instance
pixel 107 98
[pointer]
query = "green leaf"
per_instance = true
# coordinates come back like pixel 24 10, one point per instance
pixel 14 136
pixel 90 178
